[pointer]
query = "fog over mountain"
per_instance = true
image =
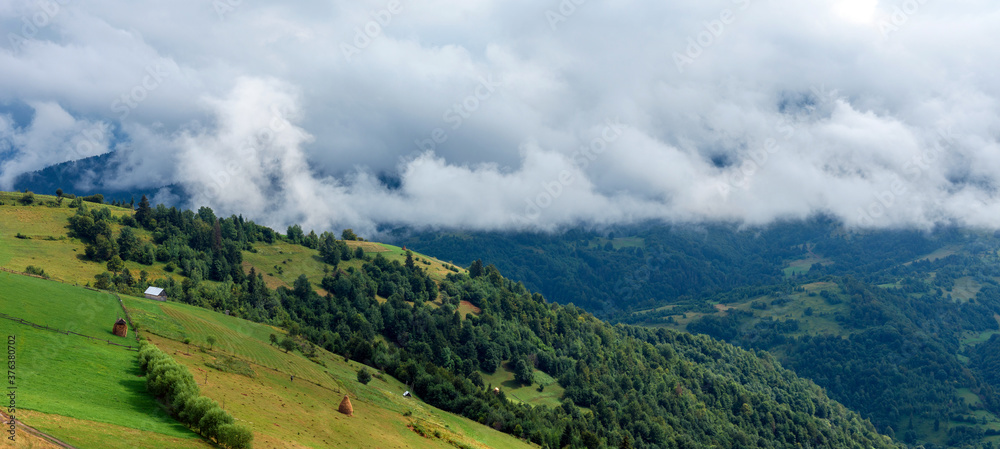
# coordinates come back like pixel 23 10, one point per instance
pixel 493 114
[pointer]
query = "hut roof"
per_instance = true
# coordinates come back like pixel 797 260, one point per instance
pixel 346 407
pixel 155 291
pixel 120 321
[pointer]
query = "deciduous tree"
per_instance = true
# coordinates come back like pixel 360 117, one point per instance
pixel 116 264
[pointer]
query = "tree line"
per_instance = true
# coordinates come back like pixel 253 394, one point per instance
pixel 174 385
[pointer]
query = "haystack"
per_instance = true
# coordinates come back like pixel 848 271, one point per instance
pixel 120 329
pixel 346 407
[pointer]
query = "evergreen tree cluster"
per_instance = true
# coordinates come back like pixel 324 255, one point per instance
pixel 200 245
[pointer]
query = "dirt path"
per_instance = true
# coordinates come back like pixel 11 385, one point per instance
pixel 50 440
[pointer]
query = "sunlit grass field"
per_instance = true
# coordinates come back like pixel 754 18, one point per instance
pixel 72 376
pixel 281 263
pixel 48 244
pixel 504 379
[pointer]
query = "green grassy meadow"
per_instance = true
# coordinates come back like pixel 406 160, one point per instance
pixel 504 379
pixel 281 263
pixel 814 314
pixel 49 246
pixel 802 266
pixel 72 376
pixel 965 288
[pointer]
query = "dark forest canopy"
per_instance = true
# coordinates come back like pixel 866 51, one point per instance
pixel 897 326
pixel 626 268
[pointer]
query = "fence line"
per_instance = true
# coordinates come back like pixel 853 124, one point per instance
pixel 128 317
pixel 23 273
pixel 40 326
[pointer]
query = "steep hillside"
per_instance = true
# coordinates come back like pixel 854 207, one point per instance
pixel 68 384
pixel 287 397
pixel 892 323
pixel 37 235
pixel 92 395
pixel 562 377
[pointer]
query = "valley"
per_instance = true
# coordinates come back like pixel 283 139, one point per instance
pixel 891 323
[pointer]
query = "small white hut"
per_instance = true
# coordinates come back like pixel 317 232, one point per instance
pixel 155 293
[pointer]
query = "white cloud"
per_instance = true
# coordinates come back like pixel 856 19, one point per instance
pixel 785 109
pixel 53 136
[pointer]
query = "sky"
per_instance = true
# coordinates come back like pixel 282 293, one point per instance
pixel 517 114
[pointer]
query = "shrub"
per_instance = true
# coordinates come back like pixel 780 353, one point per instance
pixel 364 376
pixel 27 199
pixel 103 281
pixel 22 236
pixel 236 436
pixel 99 199
pixel 194 409
pixel 36 271
pixel 214 418
pixel 146 255
pixel 128 220
pixel 181 400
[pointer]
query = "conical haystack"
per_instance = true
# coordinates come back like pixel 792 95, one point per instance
pixel 346 407
pixel 120 329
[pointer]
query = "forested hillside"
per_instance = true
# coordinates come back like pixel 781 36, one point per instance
pixel 895 324
pixel 608 272
pixel 628 268
pixel 623 386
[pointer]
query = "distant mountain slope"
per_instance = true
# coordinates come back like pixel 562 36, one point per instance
pixel 625 268
pixel 87 176
pixel 896 324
